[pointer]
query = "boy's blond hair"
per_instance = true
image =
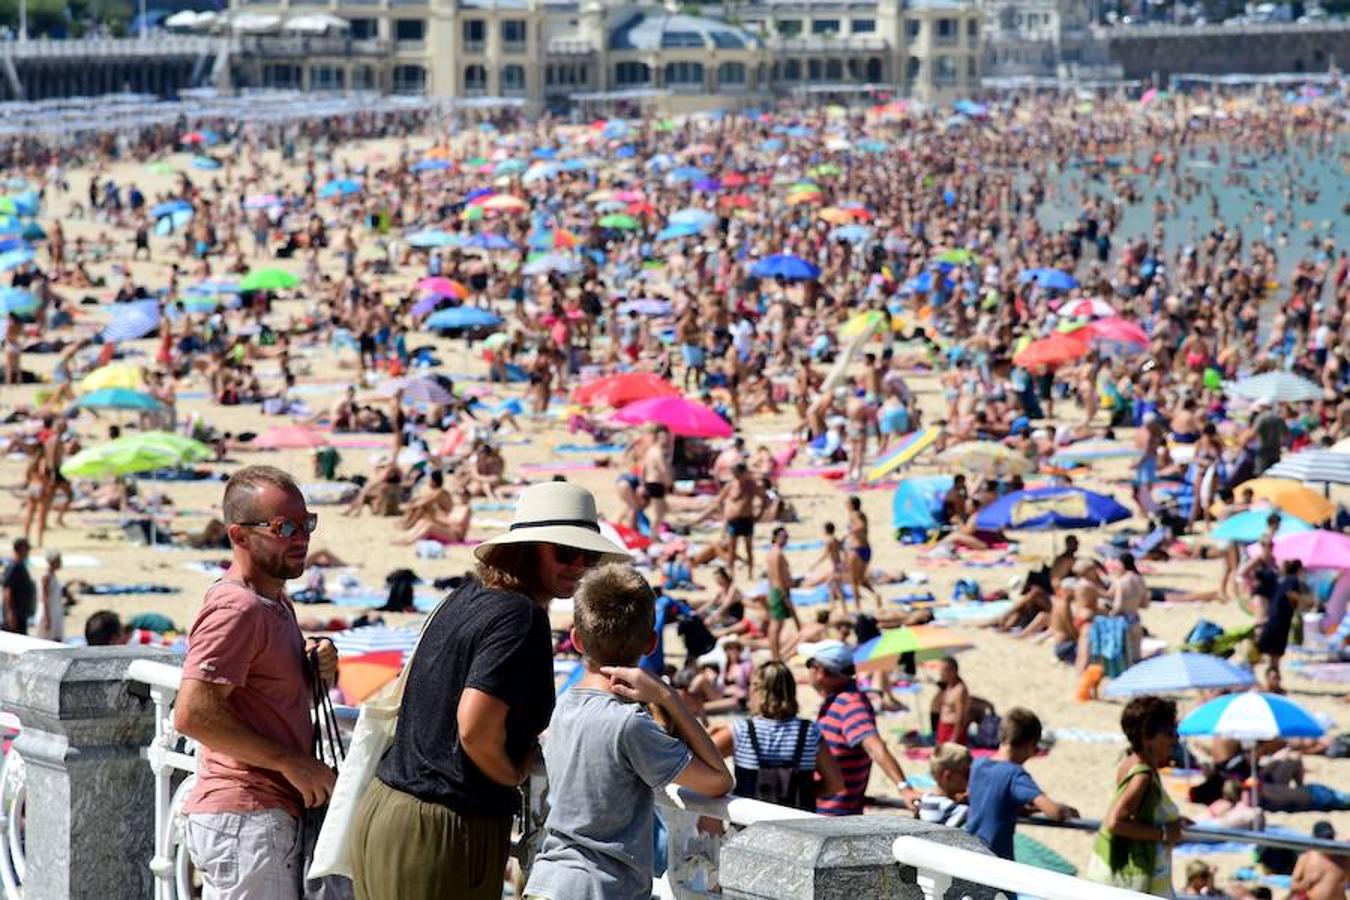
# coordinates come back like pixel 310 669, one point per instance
pixel 615 613
pixel 949 757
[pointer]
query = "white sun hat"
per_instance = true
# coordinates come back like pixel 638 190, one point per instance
pixel 556 512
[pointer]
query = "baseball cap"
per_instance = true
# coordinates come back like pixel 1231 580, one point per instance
pixel 833 656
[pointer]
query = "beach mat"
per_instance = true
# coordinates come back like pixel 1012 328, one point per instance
pixel 589 448
pixel 972 612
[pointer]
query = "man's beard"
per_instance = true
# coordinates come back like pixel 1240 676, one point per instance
pixel 281 567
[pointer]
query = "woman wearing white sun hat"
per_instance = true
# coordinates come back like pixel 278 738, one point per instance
pixel 436 821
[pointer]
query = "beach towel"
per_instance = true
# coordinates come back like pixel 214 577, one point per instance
pixel 972 612
pixel 1108 644
pixel 119 590
pixel 589 448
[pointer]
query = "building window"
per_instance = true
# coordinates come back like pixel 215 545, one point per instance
pixel 684 73
pixel 913 28
pixel 789 27
pixel 944 70
pixel 364 29
pixel 972 29
pixel 475 78
pixel 475 34
pixel 864 26
pixel 548 76
pixel 410 29
pixel 583 74
pixel 731 73
pixel 972 69
pixel 513 32
pixel 631 73
pixel 792 70
pixel 874 70
pixel 813 70
pixel 513 79
pixel 834 70
pixel 825 26
pixel 913 69
pixel 410 79
pixel 947 31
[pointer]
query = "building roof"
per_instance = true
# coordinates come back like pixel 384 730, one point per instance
pixel 953 5
pixel 673 31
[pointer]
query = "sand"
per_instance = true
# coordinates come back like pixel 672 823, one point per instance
pixel 1005 670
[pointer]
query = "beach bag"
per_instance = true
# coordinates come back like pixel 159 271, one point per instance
pixel 372 736
pixel 698 640
pixel 785 785
pixel 326 745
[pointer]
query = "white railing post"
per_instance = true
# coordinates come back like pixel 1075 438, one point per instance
pixel 939 864
pixel 165 762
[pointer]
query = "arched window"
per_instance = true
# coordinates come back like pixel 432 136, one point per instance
pixel 631 73
pixel 874 70
pixel 410 79
pixel 834 70
pixel 792 70
pixel 475 78
pixel 731 73
pixel 513 78
pixel 687 74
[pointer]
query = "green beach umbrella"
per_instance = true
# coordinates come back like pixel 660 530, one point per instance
pixel 958 257
pixel 666 125
pixel 133 453
pixel 803 187
pixel 268 280
pixel 620 221
pixel 161 168
pixel 7 205
pixel 826 170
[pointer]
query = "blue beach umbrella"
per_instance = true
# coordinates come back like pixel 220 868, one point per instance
pixel 341 187
pixel 17 302
pixel 699 218
pixel 1178 672
pixel 119 398
pixel 785 265
pixel 169 207
pixel 853 234
pixel 205 162
pixel 12 259
pixel 433 237
pixel 431 165
pixel 461 317
pixel 676 231
pixel 552 262
pixel 132 321
pixel 1051 508
pixel 918 500
pixel 1050 279
pixel 171 222
pixel 490 241
pixel 1248 526
pixel 686 173
pixel 1251 716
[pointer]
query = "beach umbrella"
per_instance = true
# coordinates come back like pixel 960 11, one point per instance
pixel 268 280
pixel 504 203
pixel 541 171
pixel 431 165
pixel 786 266
pixel 1051 508
pixel 433 237
pixel 428 390
pixel 682 416
pixel 958 257
pixel 1094 451
pixel 428 303
pixel 620 222
pixel 490 241
pixel 904 452
pixel 1177 672
pixel 552 262
pixel 1315 549
pixel 443 287
pixel 112 375
pixel 686 173
pixel 796 198
pixel 1248 526
pixel 374 639
pixel 1051 352
pixel 871 145
pixel 1292 497
pixel 361 675
pixel 199 303
pixel 12 259
pixel 161 168
pixel 882 652
pixel 1089 308
pixel 918 500
pixel 17 302
pixel 134 453
pixel 119 398
pixel 646 306
pixel 168 224
pixel 700 218
pixel 624 388
pixel 1251 716
pixel 289 437
pixel 340 187
pixel 461 317
pixel 1275 387
pixel 170 207
pixel 677 231
pixel 205 162
pixel 1117 330
pixel 1050 279
pixel 986 458
pixel 510 167
pixel 558 239
pixel 132 321
pixel 1326 467
pixel 853 234
pixel 263 201
pixel 863 321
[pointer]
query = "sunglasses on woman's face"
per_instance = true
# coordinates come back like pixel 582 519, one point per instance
pixel 566 556
pixel 284 528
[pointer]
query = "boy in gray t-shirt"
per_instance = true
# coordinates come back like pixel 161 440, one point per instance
pixel 606 754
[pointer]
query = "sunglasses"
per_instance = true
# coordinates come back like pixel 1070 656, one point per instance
pixel 281 527
pixel 566 556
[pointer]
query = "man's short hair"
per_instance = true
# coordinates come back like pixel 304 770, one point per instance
pixel 951 661
pixel 103 629
pixel 615 613
pixel 1019 728
pixel 949 757
pixel 241 491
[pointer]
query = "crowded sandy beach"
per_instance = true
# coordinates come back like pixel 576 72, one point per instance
pixel 1049 386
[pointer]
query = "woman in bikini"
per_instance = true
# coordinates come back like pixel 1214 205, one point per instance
pixel 860 553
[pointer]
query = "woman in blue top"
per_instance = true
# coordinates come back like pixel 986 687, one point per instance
pixel 775 740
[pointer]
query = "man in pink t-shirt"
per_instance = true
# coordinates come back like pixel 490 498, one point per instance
pixel 245 698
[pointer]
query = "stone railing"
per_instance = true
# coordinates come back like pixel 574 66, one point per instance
pixel 91 796
pixel 1246 29
pixel 110 48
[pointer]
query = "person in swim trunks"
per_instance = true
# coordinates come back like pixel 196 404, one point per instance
pixel 737 504
pixel 780 592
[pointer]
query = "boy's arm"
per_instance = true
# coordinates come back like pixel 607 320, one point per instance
pixel 706 773
pixel 1054 810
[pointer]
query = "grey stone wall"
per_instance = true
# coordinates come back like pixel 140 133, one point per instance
pixel 1227 50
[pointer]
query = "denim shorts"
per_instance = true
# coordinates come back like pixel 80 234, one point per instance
pixel 246 855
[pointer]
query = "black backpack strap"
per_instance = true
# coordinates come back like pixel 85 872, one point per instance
pixel 754 740
pixel 802 728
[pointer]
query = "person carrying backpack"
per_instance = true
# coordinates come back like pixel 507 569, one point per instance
pixel 776 753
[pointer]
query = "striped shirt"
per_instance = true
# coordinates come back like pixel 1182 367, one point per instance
pixel 942 810
pixel 846 720
pixel 777 742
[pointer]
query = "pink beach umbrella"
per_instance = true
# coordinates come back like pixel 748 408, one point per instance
pixel 444 287
pixel 1315 549
pixel 1089 308
pixel 290 437
pixel 682 416
pixel 1121 331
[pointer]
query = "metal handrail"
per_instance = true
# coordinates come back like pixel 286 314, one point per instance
pixel 1002 874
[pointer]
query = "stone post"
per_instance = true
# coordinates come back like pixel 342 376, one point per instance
pixel 845 858
pixel 89 826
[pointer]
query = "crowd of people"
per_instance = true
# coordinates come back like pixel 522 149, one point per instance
pixel 813 295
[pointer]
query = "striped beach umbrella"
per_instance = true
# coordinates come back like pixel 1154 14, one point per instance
pixel 1276 387
pixel 427 390
pixel 924 641
pixel 132 321
pixel 1178 672
pixel 1314 466
pixel 374 639
pixel 1251 716
pixel 119 398
pixel 910 446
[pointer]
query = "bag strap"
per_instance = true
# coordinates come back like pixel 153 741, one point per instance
pixel 754 740
pixel 802 728
pixel 402 682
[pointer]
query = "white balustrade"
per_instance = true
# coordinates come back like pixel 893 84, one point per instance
pixel 937 866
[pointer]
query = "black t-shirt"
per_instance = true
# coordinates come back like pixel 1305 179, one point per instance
pixel 24 591
pixel 494 641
